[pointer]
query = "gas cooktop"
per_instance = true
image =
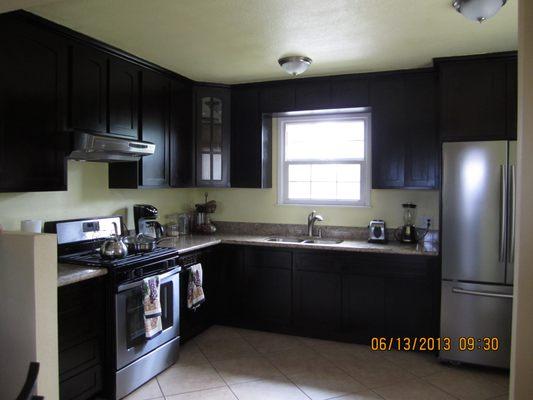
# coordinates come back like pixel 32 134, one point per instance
pixel 94 259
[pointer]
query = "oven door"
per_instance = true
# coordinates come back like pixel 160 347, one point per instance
pixel 131 342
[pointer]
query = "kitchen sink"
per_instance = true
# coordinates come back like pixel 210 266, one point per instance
pixel 284 240
pixel 322 241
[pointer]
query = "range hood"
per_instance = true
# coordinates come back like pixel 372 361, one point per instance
pixel 92 147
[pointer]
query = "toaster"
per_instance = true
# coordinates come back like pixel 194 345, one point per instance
pixel 377 232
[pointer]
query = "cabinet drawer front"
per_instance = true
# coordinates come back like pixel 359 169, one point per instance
pixel 315 261
pixel 79 356
pixel 82 386
pixel 268 258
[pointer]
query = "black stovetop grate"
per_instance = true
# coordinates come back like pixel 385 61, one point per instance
pixel 93 258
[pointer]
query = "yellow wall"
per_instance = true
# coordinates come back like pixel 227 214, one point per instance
pixel 260 205
pixel 87 196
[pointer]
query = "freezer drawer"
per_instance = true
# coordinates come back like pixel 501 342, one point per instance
pixel 478 311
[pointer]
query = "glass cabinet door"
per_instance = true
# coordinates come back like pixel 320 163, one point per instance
pixel 211 140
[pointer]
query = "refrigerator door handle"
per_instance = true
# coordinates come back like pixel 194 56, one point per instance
pixel 503 211
pixel 512 225
pixel 480 293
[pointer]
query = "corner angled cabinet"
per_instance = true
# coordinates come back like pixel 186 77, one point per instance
pixel 212 133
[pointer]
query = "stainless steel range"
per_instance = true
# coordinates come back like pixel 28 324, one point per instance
pixel 133 359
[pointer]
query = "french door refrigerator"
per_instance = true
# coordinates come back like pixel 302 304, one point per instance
pixel 478 220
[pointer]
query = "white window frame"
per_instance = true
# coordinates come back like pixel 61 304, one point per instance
pixel 283 166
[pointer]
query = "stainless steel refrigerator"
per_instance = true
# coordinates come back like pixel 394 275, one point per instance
pixel 478 220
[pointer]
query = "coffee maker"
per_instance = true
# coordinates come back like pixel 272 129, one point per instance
pixel 145 219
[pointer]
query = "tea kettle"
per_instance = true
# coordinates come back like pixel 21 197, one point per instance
pixel 114 247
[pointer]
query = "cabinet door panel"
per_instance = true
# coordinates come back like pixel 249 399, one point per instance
pixel 123 98
pixel 512 98
pixel 363 313
pixel 33 108
pixel 473 104
pixel 388 132
pixel 421 152
pixel 182 169
pixel 155 128
pixel 89 89
pixel 317 300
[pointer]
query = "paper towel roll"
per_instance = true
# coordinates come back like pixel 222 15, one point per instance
pixel 31 225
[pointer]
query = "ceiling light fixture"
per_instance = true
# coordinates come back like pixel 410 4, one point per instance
pixel 478 10
pixel 295 65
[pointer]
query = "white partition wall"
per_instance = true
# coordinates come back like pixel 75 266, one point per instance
pixel 28 312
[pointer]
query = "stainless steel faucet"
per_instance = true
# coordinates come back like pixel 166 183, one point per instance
pixel 311 219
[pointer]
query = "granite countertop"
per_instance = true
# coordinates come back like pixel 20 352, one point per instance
pixel 69 274
pixel 189 243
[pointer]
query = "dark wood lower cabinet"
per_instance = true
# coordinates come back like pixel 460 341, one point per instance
pixel 331 295
pixel 81 327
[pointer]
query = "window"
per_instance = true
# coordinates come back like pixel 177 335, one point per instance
pixel 324 159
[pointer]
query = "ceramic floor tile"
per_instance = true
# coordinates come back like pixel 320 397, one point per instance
pixel 373 373
pixel 181 379
pixel 322 383
pixel 150 390
pixel 217 334
pixel 190 354
pixel 223 393
pixel 266 342
pixel 337 350
pixel 297 360
pixel 412 390
pixel 502 397
pixel 367 395
pixel 245 369
pixel 224 349
pixel 466 385
pixel 272 389
pixel 417 363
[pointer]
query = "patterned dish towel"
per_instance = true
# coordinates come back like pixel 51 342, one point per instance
pixel 195 293
pixel 152 307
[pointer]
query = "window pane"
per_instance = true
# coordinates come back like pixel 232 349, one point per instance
pixel 301 173
pixel 299 190
pixel 324 173
pixel 206 166
pixel 325 140
pixel 217 167
pixel 323 190
pixel 348 172
pixel 348 191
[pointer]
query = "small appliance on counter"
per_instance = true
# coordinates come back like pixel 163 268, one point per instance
pixel 202 222
pixel 145 219
pixel 408 232
pixel 377 232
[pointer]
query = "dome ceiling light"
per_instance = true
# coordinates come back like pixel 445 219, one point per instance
pixel 295 65
pixel 478 10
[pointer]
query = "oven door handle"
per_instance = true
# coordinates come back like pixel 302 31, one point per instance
pixel 162 277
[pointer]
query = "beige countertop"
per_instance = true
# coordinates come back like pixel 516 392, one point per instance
pixel 69 274
pixel 188 243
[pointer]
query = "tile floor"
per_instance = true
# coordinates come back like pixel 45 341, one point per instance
pixel 226 363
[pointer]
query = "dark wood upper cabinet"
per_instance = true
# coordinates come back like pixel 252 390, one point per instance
pixel 387 96
pixel 89 89
pixel 349 91
pixel 212 131
pixel 33 108
pixel 477 98
pixel 421 140
pixel 312 95
pixel 153 170
pixel 251 138
pixel 277 97
pixel 182 168
pixel 123 98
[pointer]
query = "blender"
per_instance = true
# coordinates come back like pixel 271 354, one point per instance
pixel 408 232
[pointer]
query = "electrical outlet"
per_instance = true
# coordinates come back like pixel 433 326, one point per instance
pixel 423 221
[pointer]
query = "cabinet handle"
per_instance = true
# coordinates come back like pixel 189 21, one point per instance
pixel 485 294
pixel 503 211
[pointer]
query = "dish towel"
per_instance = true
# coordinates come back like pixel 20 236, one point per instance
pixel 152 307
pixel 195 292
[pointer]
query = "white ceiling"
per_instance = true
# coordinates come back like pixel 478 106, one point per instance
pixel 233 41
